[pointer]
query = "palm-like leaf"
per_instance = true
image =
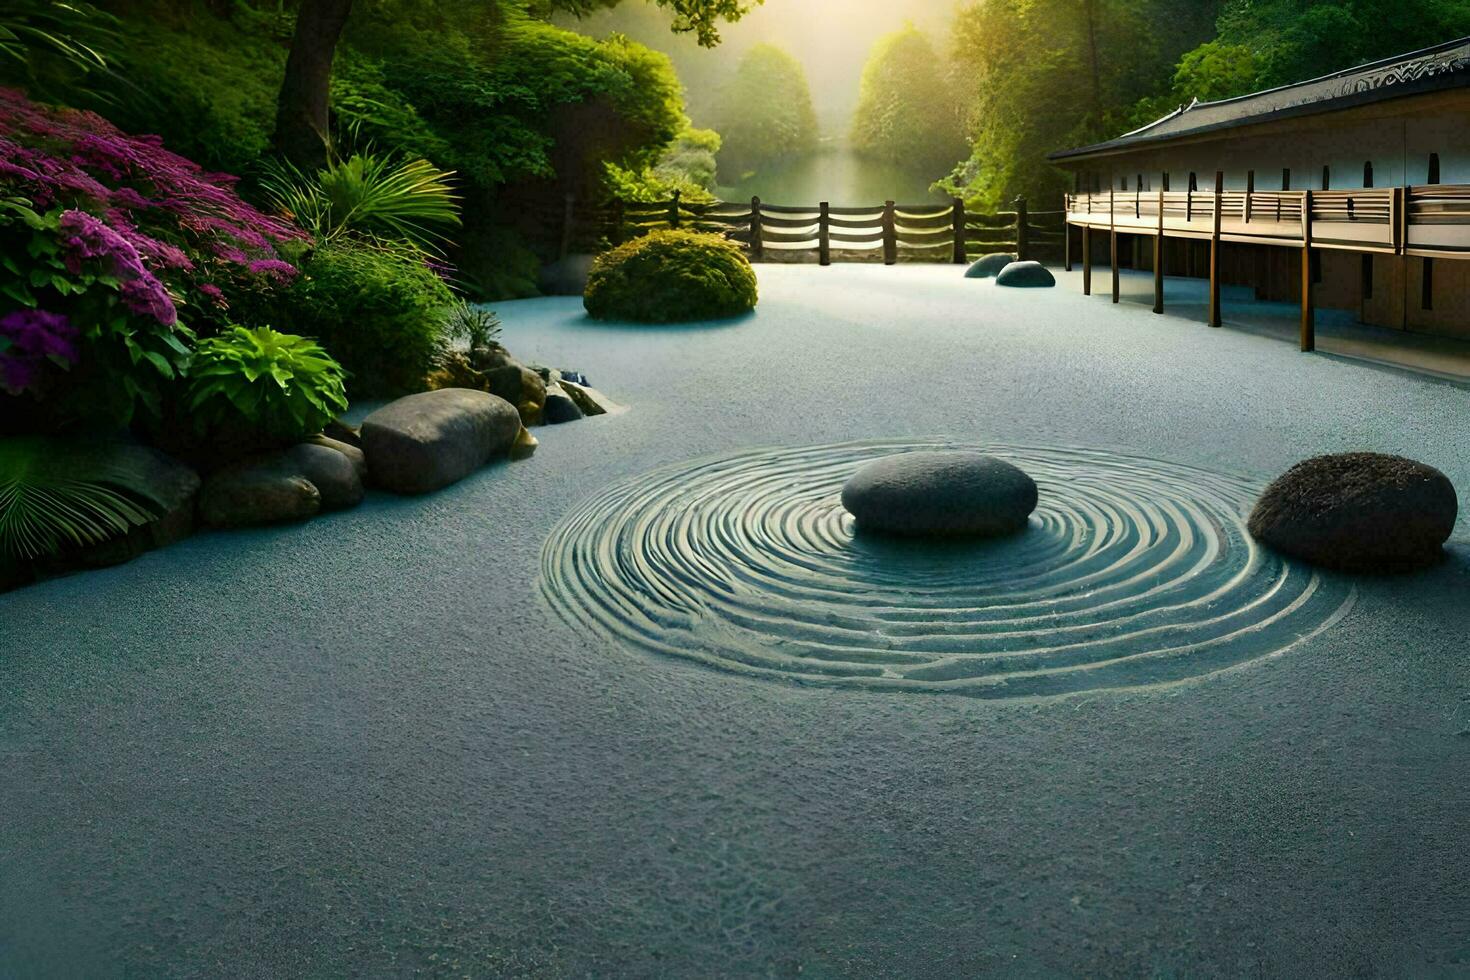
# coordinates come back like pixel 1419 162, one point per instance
pixel 57 492
pixel 367 194
pixel 75 32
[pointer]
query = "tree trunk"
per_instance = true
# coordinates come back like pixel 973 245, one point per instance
pixel 301 111
pixel 1090 7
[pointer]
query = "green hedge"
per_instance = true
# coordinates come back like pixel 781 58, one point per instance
pixel 669 277
pixel 378 311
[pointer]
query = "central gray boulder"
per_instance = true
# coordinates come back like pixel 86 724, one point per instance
pixel 430 440
pixel 940 493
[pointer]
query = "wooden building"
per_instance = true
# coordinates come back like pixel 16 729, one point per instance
pixel 1350 191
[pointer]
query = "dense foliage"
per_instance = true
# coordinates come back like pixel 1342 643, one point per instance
pixel 689 167
pixel 274 385
pixel 908 112
pixel 765 115
pixel 1045 75
pixel 109 243
pixel 367 194
pixel 671 276
pixel 378 311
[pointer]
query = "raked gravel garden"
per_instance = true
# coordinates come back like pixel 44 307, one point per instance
pixel 647 702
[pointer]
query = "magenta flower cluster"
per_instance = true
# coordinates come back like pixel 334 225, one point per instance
pixel 28 340
pixel 85 238
pixel 186 227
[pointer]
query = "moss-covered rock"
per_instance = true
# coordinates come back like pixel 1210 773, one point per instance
pixel 670 277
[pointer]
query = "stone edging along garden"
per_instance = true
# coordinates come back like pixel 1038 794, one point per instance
pixel 416 444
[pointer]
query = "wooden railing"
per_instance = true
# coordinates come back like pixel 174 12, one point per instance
pixel 1430 220
pixel 822 233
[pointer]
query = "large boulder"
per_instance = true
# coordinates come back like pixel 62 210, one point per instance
pixel 989 266
pixel 435 438
pixel 1358 512
pixel 940 493
pixel 1025 275
pixel 261 490
pixel 353 453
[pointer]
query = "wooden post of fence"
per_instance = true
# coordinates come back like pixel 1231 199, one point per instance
pixel 890 234
pixel 1215 253
pixel 674 211
pixel 757 242
pixel 1309 313
pixel 619 229
pixel 1023 236
pixel 961 254
pixel 824 234
pixel 1113 240
pixel 568 223
pixel 1159 260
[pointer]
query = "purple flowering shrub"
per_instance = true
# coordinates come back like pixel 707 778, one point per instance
pixel 108 244
pixel 91 331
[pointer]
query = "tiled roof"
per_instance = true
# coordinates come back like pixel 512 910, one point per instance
pixel 1444 66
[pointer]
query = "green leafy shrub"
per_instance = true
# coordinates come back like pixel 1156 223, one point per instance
pixel 279 386
pixel 378 310
pixel 55 493
pixel 671 276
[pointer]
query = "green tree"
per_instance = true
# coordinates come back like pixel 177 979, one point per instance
pixel 907 111
pixel 765 114
pixel 302 133
pixel 1044 75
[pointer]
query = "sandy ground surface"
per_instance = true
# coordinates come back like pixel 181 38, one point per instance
pixel 369 746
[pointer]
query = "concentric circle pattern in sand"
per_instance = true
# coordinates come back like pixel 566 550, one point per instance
pixel 1133 573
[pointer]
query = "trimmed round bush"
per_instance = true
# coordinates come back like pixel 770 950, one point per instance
pixel 671 277
pixel 378 310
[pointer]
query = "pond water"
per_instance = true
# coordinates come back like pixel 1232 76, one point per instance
pixel 838 175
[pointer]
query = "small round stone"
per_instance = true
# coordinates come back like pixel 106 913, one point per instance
pixel 989 266
pixel 1031 275
pixel 1358 512
pixel 940 493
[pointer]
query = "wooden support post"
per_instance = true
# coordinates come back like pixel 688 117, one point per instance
pixel 1066 235
pixel 1087 260
pixel 1159 260
pixel 1023 230
pixel 568 224
pixel 757 235
pixel 824 234
pixel 961 253
pixel 1215 254
pixel 1309 312
pixel 890 234
pixel 674 211
pixel 1113 240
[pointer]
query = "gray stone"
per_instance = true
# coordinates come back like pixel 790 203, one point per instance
pixel 1358 512
pixel 354 454
pixel 342 432
pixel 520 386
pixel 989 266
pixel 589 400
pixel 435 438
pixel 560 407
pixel 330 470
pixel 1026 275
pixel 940 493
pixel 170 488
pixel 262 490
